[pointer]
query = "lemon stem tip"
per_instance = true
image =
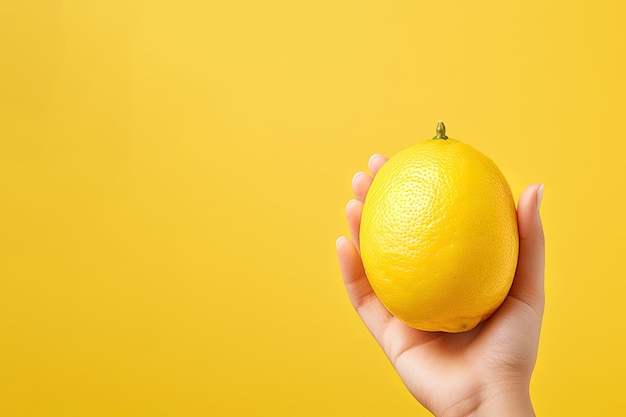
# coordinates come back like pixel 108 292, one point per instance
pixel 441 131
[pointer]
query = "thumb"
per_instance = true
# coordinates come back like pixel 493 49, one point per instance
pixel 528 285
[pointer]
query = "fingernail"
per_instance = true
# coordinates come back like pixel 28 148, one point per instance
pixel 351 202
pixel 355 177
pixel 539 196
pixel 339 240
pixel 371 160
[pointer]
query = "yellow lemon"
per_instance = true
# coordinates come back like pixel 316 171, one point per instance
pixel 439 237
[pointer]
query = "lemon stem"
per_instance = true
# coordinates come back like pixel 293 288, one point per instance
pixel 441 131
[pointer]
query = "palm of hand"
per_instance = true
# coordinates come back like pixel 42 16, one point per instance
pixel 450 374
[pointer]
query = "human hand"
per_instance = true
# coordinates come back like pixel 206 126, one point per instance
pixel 482 372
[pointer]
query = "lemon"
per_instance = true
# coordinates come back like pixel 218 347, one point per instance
pixel 438 237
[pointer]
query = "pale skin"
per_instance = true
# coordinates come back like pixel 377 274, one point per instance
pixel 481 373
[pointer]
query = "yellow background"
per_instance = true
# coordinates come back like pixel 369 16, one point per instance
pixel 173 177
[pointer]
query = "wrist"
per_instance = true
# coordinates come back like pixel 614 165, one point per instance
pixel 499 401
pixel 506 401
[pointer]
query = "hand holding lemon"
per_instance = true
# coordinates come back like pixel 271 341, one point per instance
pixel 442 214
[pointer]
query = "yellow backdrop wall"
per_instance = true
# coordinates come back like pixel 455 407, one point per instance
pixel 173 177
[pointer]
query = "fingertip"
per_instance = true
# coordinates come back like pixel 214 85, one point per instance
pixel 539 196
pixel 375 162
pixel 344 248
pixel 353 213
pixel 360 185
pixel 372 159
pixel 529 276
pixel 354 209
pixel 528 216
pixel 526 199
pixel 356 177
pixel 349 261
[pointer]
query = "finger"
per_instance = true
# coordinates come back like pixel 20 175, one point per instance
pixel 528 285
pixel 376 161
pixel 360 184
pixel 368 306
pixel 353 211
